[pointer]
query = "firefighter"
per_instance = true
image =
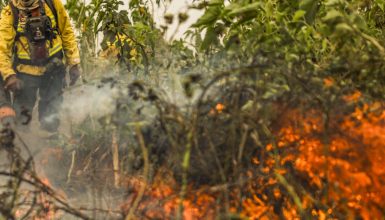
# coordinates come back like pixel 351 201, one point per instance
pixel 37 44
pixel 119 48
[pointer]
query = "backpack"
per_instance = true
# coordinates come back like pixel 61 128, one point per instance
pixel 15 12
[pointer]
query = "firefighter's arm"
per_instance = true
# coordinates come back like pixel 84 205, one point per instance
pixel 70 46
pixel 7 39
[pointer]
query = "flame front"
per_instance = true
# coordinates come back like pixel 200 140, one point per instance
pixel 337 168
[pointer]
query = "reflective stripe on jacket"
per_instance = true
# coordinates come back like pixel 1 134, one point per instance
pixel 65 41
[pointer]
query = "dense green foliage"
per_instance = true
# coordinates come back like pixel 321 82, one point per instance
pixel 310 40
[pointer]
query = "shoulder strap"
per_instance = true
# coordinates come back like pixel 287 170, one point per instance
pixel 54 11
pixel 42 8
pixel 15 13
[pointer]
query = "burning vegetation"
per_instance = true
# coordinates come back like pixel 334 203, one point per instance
pixel 274 110
pixel 311 169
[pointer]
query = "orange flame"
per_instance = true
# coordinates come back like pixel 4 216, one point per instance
pixel 348 163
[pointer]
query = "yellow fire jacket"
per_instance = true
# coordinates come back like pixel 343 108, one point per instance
pixel 65 41
pixel 112 51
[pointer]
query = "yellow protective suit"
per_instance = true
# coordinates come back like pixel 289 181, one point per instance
pixel 114 52
pixel 65 41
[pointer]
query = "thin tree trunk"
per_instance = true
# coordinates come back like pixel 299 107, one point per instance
pixel 115 156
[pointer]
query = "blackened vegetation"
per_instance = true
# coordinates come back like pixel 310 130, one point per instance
pixel 222 140
pixel 23 194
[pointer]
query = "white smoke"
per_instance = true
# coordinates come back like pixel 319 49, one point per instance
pixel 89 101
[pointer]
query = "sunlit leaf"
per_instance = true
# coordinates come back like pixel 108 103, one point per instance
pixel 332 15
pixel 236 10
pixel 298 15
pixel 343 28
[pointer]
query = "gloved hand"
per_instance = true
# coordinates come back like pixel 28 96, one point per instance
pixel 74 74
pixel 13 84
pixel 7 116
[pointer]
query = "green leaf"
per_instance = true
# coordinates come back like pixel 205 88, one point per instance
pixel 343 28
pixel 380 4
pixel 311 8
pixel 359 21
pixel 324 45
pixel 99 20
pixel 332 2
pixel 210 38
pixel 215 2
pixel 209 17
pixel 298 15
pixel 236 10
pixel 332 15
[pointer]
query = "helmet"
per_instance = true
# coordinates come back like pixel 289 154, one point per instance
pixel 26 4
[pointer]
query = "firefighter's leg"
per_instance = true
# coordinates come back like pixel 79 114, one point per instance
pixel 4 96
pixel 51 98
pixel 25 99
pixel 7 113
